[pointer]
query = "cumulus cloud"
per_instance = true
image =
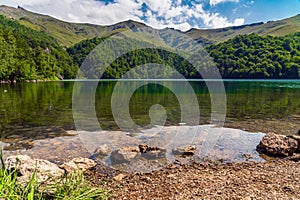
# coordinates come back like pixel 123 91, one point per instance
pixel 158 14
pixel 215 2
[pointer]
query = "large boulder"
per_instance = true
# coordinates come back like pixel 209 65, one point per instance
pixel 297 138
pixel 26 166
pixel 83 164
pixel 124 154
pixel 277 145
pixel 185 150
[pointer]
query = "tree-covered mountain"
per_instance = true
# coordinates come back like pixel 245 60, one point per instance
pixel 128 61
pixel 244 56
pixel 254 56
pixel 35 46
pixel 27 54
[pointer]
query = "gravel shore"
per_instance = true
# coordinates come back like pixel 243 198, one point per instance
pixel 275 179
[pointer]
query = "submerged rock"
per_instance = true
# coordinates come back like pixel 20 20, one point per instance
pixel 83 164
pixel 297 138
pixel 102 150
pixel 152 152
pixel 124 154
pixel 26 166
pixel 185 151
pixel 277 145
pixel 26 144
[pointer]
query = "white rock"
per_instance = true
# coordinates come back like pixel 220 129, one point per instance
pixel 26 166
pixel 75 164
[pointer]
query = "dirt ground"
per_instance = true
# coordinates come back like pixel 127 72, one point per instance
pixel 275 179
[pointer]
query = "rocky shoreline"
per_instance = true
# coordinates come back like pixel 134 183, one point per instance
pixel 276 178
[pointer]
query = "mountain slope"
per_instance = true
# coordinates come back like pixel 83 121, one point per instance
pixel 273 28
pixel 254 56
pixel 68 34
pixel 27 54
pixel 245 56
pixel 35 46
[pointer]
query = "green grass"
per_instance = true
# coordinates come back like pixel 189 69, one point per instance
pixel 71 187
pixel 75 187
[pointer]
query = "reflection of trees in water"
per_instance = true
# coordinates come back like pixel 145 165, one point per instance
pixel 32 108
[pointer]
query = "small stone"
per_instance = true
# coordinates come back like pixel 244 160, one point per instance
pixel 152 152
pixel 23 144
pixel 119 177
pixel 288 188
pixel 247 156
pixel 143 148
pixel 186 150
pixel 297 138
pixel 83 164
pixel 124 154
pixel 102 150
pixel 171 176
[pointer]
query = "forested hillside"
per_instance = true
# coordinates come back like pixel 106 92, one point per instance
pixel 27 54
pixel 245 56
pixel 253 56
pixel 33 51
pixel 133 59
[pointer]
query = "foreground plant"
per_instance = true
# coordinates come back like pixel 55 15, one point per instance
pixel 70 187
pixel 74 186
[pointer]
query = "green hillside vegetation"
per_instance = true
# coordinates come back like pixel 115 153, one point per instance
pixel 68 34
pixel 132 59
pixel 65 33
pixel 39 47
pixel 274 28
pixel 27 54
pixel 245 56
pixel 253 56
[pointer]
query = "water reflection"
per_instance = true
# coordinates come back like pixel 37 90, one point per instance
pixel 34 112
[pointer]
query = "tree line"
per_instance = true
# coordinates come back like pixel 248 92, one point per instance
pixel 245 56
pixel 27 54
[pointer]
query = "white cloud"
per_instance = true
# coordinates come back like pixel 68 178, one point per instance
pixel 160 13
pixel 215 2
pixel 216 21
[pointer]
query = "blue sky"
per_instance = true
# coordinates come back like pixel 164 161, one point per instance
pixel 180 14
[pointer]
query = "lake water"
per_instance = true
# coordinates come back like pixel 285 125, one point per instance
pixel 36 111
pixel 43 104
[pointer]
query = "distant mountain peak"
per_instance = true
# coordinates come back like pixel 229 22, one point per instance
pixel 67 34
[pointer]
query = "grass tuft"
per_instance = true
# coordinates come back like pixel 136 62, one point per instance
pixel 69 187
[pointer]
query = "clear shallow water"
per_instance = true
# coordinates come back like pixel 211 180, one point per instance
pixel 40 113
